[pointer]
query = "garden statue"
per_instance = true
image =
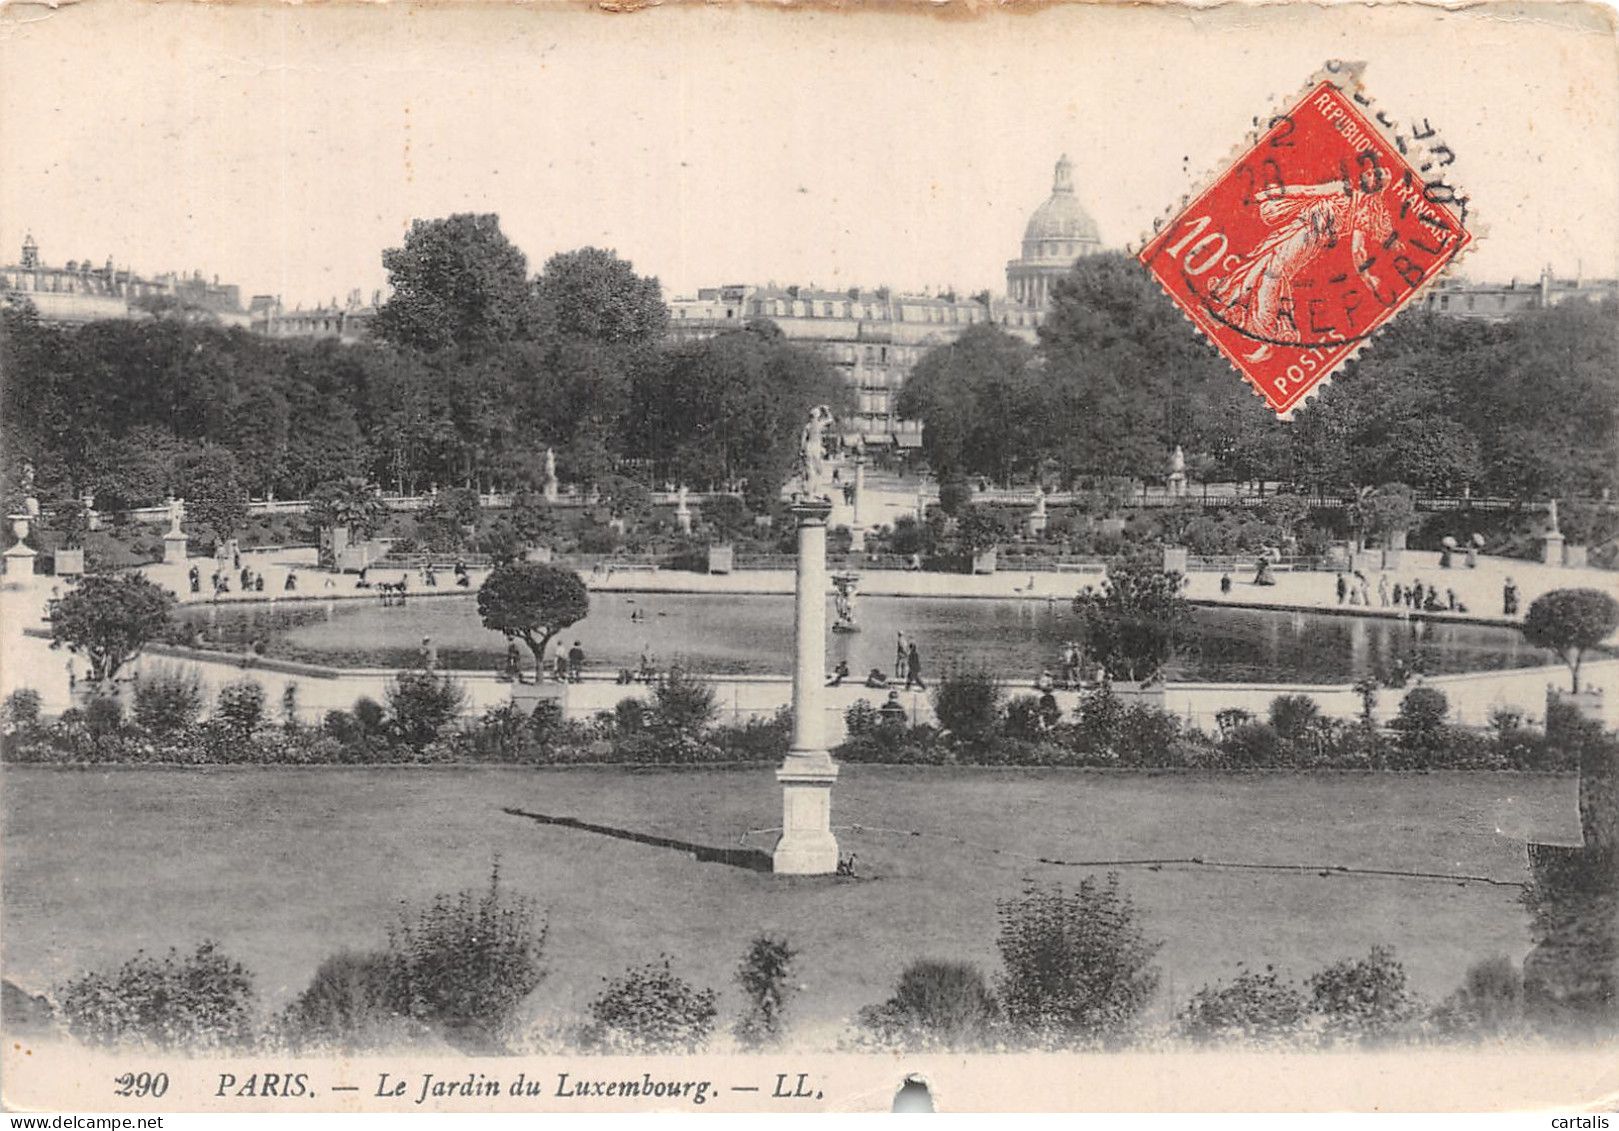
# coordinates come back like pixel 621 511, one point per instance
pixel 812 455
pixel 550 466
pixel 1552 518
pixel 1177 473
pixel 177 511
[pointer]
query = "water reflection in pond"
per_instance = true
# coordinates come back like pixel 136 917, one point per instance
pixel 740 634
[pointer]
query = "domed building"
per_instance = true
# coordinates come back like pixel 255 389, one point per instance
pixel 1059 232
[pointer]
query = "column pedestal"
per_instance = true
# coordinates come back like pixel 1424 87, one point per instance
pixel 807 846
pixel 174 547
pixel 19 561
pixel 1552 550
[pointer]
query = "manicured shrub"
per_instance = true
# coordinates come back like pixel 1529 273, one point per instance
pixel 1364 1000
pixel 1252 1008
pixel 946 1004
pixel 1422 714
pixel 21 710
pixel 1292 716
pixel 1078 966
pixel 423 703
pixel 104 715
pixel 861 718
pixel 756 739
pixel 465 963
pixel 766 977
pixel 967 703
pixel 650 1009
pixel 629 715
pixel 342 726
pixel 546 721
pixel 240 706
pixel 197 1002
pixel 683 706
pixel 371 716
pixel 168 699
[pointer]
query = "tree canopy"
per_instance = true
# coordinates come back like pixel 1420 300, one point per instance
pixel 1130 623
pixel 457 281
pixel 532 601
pixel 110 619
pixel 1571 622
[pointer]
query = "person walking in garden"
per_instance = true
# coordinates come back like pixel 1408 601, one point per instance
pixel 576 662
pixel 1343 588
pixel 1383 590
pixel 913 668
pixel 899 654
pixel 1509 598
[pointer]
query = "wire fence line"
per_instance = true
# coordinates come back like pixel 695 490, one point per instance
pixel 1154 864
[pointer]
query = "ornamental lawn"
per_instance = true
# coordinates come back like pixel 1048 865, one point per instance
pixel 283 867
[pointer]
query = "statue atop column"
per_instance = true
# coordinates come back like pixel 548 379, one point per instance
pixel 1552 518
pixel 812 455
pixel 177 512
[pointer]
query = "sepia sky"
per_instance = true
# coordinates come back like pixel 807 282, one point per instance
pixel 283 147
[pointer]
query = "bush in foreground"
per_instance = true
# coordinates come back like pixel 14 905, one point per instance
pixel 1364 1000
pixel 464 963
pixel 766 977
pixel 941 1004
pixel 650 1009
pixel 198 1002
pixel 1077 963
pixel 1252 1008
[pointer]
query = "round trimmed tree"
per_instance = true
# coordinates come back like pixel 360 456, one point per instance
pixel 1571 622
pixel 533 602
pixel 110 619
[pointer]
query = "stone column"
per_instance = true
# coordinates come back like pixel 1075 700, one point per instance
pixel 857 529
pixel 807 846
pixel 1552 548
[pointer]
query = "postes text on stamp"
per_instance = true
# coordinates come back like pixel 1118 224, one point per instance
pixel 1305 246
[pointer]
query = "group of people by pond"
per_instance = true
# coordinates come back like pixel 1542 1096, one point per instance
pixel 907 666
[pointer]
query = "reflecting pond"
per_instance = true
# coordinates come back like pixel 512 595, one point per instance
pixel 732 634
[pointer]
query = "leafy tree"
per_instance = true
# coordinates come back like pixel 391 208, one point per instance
pixel 349 502
pixel 533 601
pixel 593 294
pixel 978 399
pixel 110 619
pixel 1130 624
pixel 1077 964
pixel 1123 370
pixel 456 281
pixel 1571 622
pixel 215 499
pixel 1390 509
pixel 732 408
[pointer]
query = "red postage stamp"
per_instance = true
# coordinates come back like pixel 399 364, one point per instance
pixel 1305 246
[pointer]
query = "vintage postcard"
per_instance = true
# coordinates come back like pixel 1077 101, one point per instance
pixel 725 558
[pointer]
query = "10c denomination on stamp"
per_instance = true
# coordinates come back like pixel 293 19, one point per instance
pixel 1306 245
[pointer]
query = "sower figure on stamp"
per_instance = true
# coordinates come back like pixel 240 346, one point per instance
pixel 1257 297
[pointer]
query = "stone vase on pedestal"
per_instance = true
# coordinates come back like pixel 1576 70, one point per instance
pixel 807 846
